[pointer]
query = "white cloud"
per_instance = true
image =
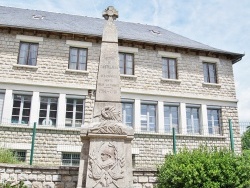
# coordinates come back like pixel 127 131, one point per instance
pixel 244 105
pixel 224 24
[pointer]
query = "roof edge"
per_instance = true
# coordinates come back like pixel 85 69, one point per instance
pixel 235 56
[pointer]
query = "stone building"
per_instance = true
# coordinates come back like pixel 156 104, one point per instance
pixel 48 72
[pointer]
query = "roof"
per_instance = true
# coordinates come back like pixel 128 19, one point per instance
pixel 58 22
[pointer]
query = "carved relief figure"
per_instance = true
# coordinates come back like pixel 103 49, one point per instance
pixel 106 166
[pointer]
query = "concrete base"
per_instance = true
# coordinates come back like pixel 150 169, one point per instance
pixel 106 158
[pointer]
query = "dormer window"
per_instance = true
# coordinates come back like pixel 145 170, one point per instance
pixel 38 17
pixel 155 32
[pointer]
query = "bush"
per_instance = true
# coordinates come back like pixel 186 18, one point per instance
pixel 6 156
pixel 246 153
pixel 245 140
pixel 203 168
pixel 13 185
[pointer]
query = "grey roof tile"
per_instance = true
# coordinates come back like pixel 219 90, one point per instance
pixel 23 18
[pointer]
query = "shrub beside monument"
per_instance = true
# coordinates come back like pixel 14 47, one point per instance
pixel 205 168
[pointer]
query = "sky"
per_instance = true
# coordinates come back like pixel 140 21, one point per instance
pixel 223 24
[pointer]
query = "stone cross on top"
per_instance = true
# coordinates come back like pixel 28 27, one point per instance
pixel 110 13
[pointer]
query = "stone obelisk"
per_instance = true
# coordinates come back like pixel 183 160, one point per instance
pixel 106 158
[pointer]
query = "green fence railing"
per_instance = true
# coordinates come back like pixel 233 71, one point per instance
pixel 32 144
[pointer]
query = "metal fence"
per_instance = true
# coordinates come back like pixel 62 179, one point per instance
pixel 244 125
pixel 149 146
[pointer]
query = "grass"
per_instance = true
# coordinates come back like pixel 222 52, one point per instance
pixel 6 156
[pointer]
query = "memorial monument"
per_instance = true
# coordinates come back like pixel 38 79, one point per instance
pixel 106 158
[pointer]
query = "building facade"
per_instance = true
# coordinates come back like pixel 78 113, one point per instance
pixel 48 72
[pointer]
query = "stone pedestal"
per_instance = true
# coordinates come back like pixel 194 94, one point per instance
pixel 106 158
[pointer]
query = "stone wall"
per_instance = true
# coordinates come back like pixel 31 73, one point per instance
pixel 144 178
pixel 52 62
pixel 153 147
pixel 50 177
pixel 62 177
pixel 149 149
pixel 47 141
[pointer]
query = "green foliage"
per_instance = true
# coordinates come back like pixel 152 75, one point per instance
pixel 245 140
pixel 13 185
pixel 203 168
pixel 246 153
pixel 6 156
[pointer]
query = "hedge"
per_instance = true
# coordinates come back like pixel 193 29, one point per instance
pixel 205 168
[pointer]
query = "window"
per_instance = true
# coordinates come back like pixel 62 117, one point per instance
pixel 48 111
pixel 171 118
pixel 169 68
pixel 193 122
pixel 21 109
pixel 127 114
pixel 27 53
pixel 74 112
pixel 1 105
pixel 213 116
pixel 148 117
pixel 20 155
pixel 126 63
pixel 70 159
pixel 78 59
pixel 133 160
pixel 209 70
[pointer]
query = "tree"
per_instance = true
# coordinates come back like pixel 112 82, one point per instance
pixel 245 139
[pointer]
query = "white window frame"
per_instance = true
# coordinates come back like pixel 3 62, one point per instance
pixel 178 117
pixel 74 111
pixel 71 154
pixel 1 109
pixel 148 117
pixel 48 122
pixel 124 112
pixel 192 119
pixel 20 116
pixel 213 126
